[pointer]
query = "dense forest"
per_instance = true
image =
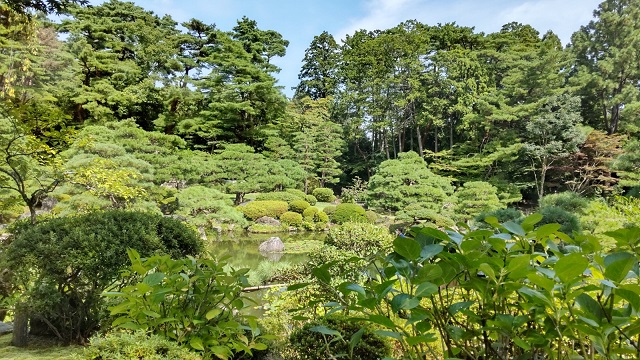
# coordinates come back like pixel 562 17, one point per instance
pixel 114 114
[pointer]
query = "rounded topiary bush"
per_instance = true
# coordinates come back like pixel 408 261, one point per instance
pixel 257 209
pixel 312 345
pixel 311 199
pixel 291 218
pixel 321 217
pixel 568 221
pixel 69 261
pixel 372 217
pixel 298 206
pixel 363 239
pixel 503 215
pixel 324 194
pixel 278 196
pixel 296 192
pixel 310 212
pixel 349 212
pixel 138 345
pixel 568 200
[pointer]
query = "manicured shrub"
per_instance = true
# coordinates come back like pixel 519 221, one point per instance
pixel 330 210
pixel 476 197
pixel 310 344
pixel 503 215
pixel 568 200
pixel 311 199
pixel 372 217
pixel 296 192
pixel 257 209
pixel 310 212
pixel 321 217
pixel 298 206
pixel 278 196
pixel 291 218
pixel 349 212
pixel 67 262
pixel 324 194
pixel 138 345
pixel 554 214
pixel 363 239
pixel 425 214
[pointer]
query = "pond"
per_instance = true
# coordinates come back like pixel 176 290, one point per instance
pixel 241 251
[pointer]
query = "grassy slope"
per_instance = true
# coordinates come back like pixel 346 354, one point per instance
pixel 37 349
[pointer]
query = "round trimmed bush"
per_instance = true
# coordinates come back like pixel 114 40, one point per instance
pixel 278 196
pixel 296 192
pixel 363 239
pixel 257 209
pixel 298 206
pixel 324 194
pixel 312 345
pixel 69 261
pixel 311 199
pixel 568 200
pixel 372 217
pixel 310 212
pixel 321 217
pixel 291 218
pixel 568 221
pixel 349 213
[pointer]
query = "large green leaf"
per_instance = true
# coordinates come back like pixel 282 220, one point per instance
pixel 569 267
pixel 618 265
pixel 407 248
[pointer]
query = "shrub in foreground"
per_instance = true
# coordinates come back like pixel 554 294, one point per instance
pixel 63 264
pixel 138 345
pixel 329 338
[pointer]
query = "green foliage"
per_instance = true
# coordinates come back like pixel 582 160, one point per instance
pixel 569 222
pixel 120 345
pixel 600 216
pixel 296 192
pixel 423 213
pixel 206 206
pixel 195 302
pixel 476 197
pixel 62 264
pixel 330 210
pixel 324 194
pixel 311 199
pixel 310 212
pixel 568 200
pixel 278 196
pixel 299 206
pixel 321 217
pixel 349 213
pixel 291 218
pixel 257 209
pixel 333 336
pixel 354 193
pixel 372 217
pixel 512 291
pixel 264 229
pixel 406 180
pixel 362 239
pixel 503 215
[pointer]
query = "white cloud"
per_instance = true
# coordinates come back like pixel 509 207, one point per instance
pixel 562 16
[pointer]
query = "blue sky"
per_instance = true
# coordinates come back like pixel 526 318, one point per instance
pixel 300 20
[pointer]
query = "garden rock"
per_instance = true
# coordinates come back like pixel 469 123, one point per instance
pixel 5 328
pixel 266 220
pixel 49 203
pixel 272 245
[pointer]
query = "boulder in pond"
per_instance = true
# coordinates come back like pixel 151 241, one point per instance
pixel 272 245
pixel 265 220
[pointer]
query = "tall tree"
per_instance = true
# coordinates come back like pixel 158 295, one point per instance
pixel 318 76
pixel 46 6
pixel 607 52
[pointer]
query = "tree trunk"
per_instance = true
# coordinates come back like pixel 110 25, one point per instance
pixel 435 141
pixel 20 327
pixel 419 136
pixel 239 198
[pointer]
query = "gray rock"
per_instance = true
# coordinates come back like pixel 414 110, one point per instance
pixel 265 220
pixel 203 234
pixel 49 203
pixel 272 245
pixel 5 328
pixel 4 237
